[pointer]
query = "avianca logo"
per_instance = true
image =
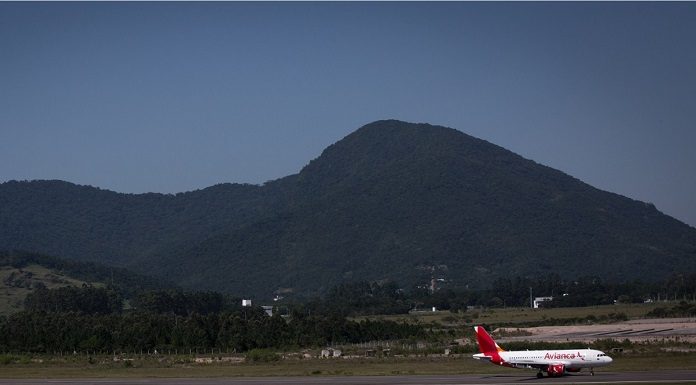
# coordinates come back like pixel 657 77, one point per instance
pixel 562 356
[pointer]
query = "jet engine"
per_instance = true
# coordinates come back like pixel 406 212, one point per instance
pixel 556 370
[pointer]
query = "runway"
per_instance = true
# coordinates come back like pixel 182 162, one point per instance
pixel 654 377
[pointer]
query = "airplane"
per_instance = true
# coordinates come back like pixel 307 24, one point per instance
pixel 554 362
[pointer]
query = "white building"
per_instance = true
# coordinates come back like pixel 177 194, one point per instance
pixel 539 300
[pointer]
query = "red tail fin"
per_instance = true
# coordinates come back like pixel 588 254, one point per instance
pixel 486 343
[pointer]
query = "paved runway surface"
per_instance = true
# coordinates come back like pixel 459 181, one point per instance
pixel 663 376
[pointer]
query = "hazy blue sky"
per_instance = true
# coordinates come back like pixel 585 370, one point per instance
pixel 170 97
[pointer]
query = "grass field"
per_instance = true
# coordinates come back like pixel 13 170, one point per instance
pixel 104 367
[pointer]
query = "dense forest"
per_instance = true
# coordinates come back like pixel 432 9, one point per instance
pixel 391 201
pixel 237 331
pixel 91 319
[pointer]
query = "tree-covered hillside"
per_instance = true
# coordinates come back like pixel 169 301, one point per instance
pixel 126 282
pixel 23 275
pixel 392 200
pixel 87 223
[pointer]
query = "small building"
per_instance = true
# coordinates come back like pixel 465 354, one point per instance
pixel 246 302
pixel 268 310
pixel 539 300
pixel 330 352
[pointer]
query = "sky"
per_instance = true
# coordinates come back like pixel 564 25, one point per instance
pixel 172 97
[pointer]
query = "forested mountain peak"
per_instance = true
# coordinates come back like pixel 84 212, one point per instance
pixel 392 200
pixel 390 143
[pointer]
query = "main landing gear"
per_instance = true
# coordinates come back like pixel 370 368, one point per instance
pixel 540 374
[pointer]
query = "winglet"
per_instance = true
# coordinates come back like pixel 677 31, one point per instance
pixel 485 342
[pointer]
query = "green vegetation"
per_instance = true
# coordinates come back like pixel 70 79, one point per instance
pixel 683 309
pixel 392 200
pixel 91 319
pixel 88 299
pixel 363 298
pixel 262 355
pixel 22 275
pixel 56 272
pixel 18 282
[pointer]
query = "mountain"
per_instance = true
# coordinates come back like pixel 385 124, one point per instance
pixel 392 200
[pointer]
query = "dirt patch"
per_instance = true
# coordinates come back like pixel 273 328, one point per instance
pixel 682 329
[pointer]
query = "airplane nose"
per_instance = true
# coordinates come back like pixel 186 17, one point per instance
pixel 609 359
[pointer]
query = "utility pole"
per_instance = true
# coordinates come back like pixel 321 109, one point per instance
pixel 531 299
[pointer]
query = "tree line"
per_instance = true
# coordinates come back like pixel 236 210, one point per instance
pixel 93 319
pixel 103 319
pixel 48 332
pixel 589 290
pixel 369 298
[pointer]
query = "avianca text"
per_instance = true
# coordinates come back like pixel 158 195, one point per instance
pixel 561 356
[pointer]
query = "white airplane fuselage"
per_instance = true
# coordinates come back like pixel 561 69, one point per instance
pixel 534 359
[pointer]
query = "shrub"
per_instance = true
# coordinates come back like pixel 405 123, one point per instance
pixel 261 355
